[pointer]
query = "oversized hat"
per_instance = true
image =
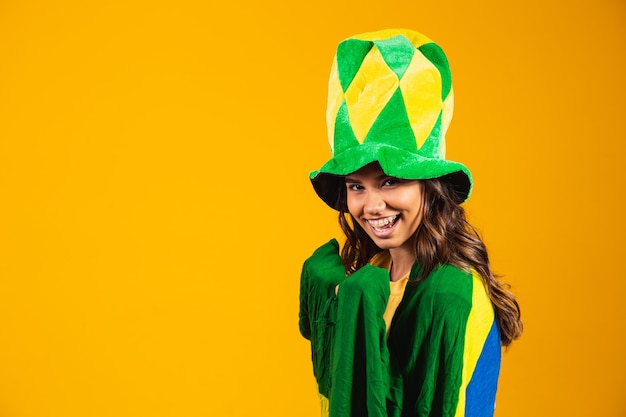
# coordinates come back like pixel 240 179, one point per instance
pixel 390 101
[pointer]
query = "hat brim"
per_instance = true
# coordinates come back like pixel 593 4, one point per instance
pixel 395 162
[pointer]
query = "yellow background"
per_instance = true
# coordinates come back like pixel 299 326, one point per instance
pixel 155 206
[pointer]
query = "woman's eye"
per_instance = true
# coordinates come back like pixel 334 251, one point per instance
pixel 390 181
pixel 354 187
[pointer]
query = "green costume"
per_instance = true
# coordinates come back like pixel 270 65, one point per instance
pixel 429 366
pixel 390 101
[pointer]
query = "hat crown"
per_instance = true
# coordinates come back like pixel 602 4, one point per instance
pixel 391 88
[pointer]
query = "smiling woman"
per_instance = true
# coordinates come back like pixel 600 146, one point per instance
pixel 409 319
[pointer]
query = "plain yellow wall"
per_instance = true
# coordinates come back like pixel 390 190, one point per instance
pixel 155 206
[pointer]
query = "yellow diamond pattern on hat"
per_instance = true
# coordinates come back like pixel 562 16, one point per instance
pixel 368 94
pixel 335 100
pixel 421 86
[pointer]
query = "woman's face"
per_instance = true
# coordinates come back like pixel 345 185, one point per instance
pixel 389 209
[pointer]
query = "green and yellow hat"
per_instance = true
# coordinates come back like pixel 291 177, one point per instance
pixel 390 101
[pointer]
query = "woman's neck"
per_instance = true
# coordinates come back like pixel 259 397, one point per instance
pixel 402 261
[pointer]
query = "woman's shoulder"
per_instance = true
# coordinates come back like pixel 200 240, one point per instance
pixel 449 282
pixel 447 293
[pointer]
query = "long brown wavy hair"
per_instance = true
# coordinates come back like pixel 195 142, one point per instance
pixel 444 236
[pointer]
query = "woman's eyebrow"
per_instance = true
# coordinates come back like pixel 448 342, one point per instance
pixel 352 180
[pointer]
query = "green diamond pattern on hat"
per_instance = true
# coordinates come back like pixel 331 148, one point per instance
pixel 390 100
pixel 397 53
pixel 344 130
pixel 392 125
pixel 350 55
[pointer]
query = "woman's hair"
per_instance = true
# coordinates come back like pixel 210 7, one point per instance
pixel 444 236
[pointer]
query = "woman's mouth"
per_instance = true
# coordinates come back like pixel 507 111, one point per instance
pixel 383 225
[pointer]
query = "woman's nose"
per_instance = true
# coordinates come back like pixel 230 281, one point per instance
pixel 374 203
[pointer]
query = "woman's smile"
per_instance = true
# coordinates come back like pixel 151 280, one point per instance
pixel 383 226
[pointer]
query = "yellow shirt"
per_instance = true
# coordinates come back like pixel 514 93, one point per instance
pixel 383 260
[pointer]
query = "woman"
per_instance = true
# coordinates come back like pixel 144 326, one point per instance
pixel 409 319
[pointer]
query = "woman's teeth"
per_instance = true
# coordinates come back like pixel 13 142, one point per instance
pixel 382 223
